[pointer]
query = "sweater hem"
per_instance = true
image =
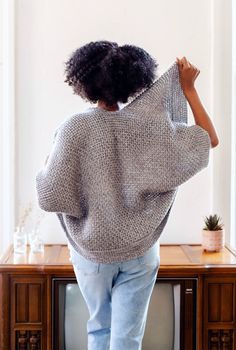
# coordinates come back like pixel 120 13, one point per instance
pixel 116 255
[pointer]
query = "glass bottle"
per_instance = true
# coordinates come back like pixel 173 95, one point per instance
pixel 20 240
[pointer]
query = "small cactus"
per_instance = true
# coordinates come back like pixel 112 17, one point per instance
pixel 212 223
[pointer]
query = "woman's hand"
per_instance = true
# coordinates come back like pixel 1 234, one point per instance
pixel 187 74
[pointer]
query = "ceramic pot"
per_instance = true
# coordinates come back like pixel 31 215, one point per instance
pixel 213 241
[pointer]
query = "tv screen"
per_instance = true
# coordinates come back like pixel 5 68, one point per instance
pixel 163 323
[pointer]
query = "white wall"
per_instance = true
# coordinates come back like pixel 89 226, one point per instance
pixel 48 31
pixel 1 111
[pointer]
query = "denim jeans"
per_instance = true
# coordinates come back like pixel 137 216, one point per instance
pixel 117 296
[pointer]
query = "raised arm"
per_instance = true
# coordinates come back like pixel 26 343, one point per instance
pixel 188 74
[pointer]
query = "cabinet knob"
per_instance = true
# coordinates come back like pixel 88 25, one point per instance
pixel 225 339
pixel 34 340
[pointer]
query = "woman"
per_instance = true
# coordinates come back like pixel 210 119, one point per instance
pixel 113 175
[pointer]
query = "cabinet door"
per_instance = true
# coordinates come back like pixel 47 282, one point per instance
pixel 28 312
pixel 219 314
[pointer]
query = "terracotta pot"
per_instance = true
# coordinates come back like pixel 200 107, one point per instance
pixel 213 241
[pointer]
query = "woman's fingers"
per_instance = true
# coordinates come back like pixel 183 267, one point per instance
pixel 187 73
pixel 180 63
pixel 185 62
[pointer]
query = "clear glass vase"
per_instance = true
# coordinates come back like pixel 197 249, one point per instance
pixel 36 244
pixel 32 235
pixel 20 240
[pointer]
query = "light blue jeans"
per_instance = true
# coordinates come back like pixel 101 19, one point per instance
pixel 117 296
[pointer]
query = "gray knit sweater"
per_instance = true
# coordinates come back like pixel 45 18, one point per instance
pixel 112 177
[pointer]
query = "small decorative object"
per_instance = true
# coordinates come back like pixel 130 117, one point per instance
pixel 26 212
pixel 20 235
pixel 32 235
pixel 36 245
pixel 20 240
pixel 35 239
pixel 213 235
pixel 31 217
pixel 40 215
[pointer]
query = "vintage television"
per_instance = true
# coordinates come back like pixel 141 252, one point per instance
pixel 171 322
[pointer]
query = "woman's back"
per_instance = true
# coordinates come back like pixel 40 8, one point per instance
pixel 113 176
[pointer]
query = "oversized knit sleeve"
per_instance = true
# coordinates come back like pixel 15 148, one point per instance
pixel 187 153
pixel 164 94
pixel 176 151
pixel 188 147
pixel 57 184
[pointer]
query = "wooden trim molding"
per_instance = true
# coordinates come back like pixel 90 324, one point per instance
pixel 4 311
pixel 7 134
pixel 223 96
pixel 233 130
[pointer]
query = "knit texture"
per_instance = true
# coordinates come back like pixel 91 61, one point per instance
pixel 112 177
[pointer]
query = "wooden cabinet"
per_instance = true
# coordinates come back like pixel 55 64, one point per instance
pixel 28 312
pixel 23 312
pixel 219 316
pixel 26 294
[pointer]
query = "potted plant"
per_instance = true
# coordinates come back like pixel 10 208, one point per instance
pixel 213 235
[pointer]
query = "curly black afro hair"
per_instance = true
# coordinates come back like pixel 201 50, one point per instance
pixel 103 70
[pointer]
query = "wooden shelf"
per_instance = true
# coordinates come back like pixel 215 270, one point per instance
pixel 171 255
pixel 26 293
